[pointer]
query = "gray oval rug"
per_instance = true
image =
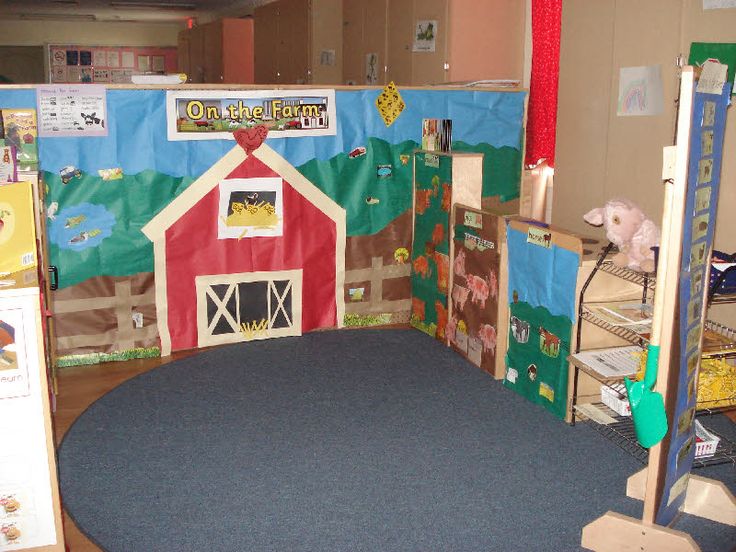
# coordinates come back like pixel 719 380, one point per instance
pixel 375 440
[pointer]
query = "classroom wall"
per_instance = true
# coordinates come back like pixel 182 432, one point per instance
pixel 326 29
pixel 15 32
pixel 501 55
pixel 600 155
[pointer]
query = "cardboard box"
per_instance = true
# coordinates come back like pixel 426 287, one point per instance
pixel 614 397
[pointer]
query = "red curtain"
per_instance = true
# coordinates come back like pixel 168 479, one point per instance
pixel 542 112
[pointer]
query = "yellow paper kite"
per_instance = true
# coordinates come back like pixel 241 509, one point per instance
pixel 390 104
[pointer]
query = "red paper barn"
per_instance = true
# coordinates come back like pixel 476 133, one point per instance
pixel 252 249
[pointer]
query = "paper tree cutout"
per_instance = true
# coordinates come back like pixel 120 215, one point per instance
pixel 250 139
pixel 390 104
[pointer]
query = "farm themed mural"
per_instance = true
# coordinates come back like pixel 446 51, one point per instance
pixel 251 272
pixel 101 192
pixel 440 180
pixel 430 254
pixel 541 311
pixel 472 327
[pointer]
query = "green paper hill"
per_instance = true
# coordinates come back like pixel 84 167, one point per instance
pixel 335 177
pixel 133 200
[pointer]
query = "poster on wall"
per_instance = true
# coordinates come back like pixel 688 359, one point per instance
pixel 74 64
pixel 214 115
pixel 68 110
pixel 425 35
pixel 371 68
pixel 640 91
pixel 718 4
pixel 58 56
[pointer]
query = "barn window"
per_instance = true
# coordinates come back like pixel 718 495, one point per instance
pixel 252 305
pixel 250 207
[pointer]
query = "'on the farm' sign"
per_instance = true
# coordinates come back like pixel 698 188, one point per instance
pixel 214 114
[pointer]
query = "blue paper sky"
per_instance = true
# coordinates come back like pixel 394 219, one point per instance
pixel 136 120
pixel 542 277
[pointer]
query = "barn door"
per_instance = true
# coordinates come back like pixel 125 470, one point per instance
pixel 246 306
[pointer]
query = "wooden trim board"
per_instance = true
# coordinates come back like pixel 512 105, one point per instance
pixel 614 532
pixel 706 498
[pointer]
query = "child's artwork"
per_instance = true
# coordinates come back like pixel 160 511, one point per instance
pixel 542 287
pixel 250 207
pixel 431 246
pixel 640 91
pixel 472 325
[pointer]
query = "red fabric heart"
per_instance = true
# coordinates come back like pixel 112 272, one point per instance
pixel 251 138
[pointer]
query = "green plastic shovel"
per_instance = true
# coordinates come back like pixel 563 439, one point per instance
pixel 647 405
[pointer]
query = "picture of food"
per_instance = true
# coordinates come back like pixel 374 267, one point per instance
pixel 10 532
pixel 10 504
pixel 8 357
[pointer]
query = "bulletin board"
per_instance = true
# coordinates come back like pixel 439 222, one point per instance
pixel 70 63
pixel 103 189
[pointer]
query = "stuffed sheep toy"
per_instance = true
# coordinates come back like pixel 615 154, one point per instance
pixel 630 230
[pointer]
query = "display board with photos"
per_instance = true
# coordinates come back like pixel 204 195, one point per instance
pixel 107 64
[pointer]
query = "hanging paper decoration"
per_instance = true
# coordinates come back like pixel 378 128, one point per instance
pixel 390 104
